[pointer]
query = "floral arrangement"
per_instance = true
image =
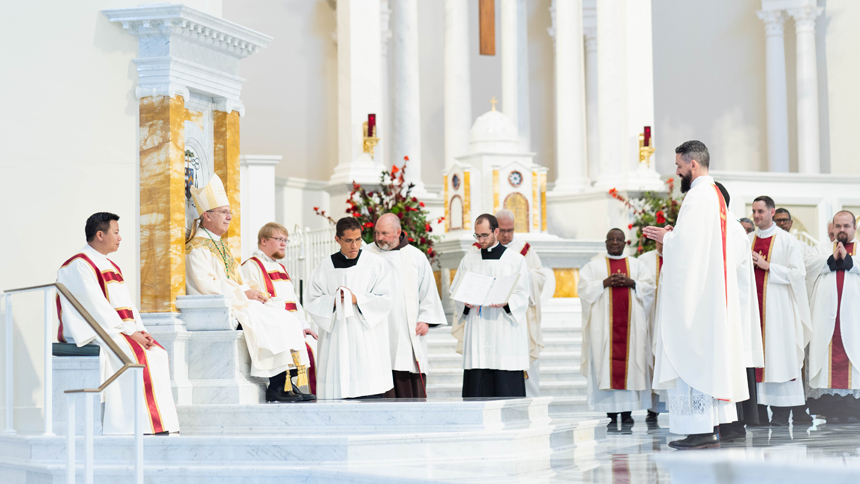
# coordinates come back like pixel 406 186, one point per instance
pixel 394 196
pixel 650 210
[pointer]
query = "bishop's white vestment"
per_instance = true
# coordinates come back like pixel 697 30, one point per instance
pixel 211 268
pixel 616 352
pixel 700 342
pixel 414 299
pixel 97 283
pixel 784 317
pixel 353 357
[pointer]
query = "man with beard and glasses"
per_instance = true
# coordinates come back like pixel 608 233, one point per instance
pixel 699 340
pixel 496 337
pixel 415 306
pixel 615 291
pixel 263 272
pixel 834 380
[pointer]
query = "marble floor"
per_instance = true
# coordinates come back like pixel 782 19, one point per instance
pixel 818 453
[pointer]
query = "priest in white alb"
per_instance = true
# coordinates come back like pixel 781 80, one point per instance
pixel 495 337
pixel 349 299
pixel 98 284
pixel 699 335
pixel 211 268
pixel 653 261
pixel 780 276
pixel 615 357
pixel 263 272
pixel 415 306
pixel 536 282
pixel 834 351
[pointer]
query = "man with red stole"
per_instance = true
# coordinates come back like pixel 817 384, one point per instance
pixel 614 291
pixel 699 329
pixel 263 272
pixel 97 283
pixel 780 275
pixel 834 351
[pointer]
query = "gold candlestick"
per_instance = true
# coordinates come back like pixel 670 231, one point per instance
pixel 645 152
pixel 371 141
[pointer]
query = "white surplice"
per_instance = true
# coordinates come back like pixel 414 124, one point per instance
pixel 787 326
pixel 492 338
pixel 268 338
pixel 747 296
pixel 653 261
pixel 282 286
pixel 700 342
pixel 353 357
pixel 824 308
pixel 414 298
pixel 102 291
pixel 597 338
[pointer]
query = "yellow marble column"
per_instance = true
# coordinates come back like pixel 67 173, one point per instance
pixel 226 161
pixel 162 202
pixel 447 205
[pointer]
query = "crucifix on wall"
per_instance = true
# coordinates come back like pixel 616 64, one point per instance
pixel 487 26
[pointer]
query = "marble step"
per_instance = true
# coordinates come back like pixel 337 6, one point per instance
pixel 565 388
pixel 547 374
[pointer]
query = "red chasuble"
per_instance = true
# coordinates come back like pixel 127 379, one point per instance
pixel 762 247
pixel 840 365
pixel 620 306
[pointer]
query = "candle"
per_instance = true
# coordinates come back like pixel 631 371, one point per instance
pixel 371 125
pixel 647 136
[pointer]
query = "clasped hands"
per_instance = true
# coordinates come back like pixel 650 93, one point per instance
pixel 618 280
pixel 839 253
pixel 354 301
pixel 143 339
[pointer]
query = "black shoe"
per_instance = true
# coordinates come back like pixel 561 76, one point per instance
pixel 278 395
pixel 799 415
pixel 733 432
pixel 697 441
pixel 652 417
pixel 627 419
pixel 780 416
pixel 306 397
pixel 613 421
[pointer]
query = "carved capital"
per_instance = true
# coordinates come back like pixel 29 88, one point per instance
pixel 228 105
pixel 773 21
pixel 804 18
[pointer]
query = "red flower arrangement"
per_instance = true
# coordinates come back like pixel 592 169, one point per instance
pixel 652 209
pixel 394 196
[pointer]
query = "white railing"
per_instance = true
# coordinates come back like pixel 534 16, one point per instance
pixel 89 393
pixel 305 250
pixel 805 238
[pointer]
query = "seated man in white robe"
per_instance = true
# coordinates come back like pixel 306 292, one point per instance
pixel 211 268
pixel 615 348
pixel 415 306
pixel 780 275
pixel 495 338
pixel 263 272
pixel 350 298
pixel 97 283
pixel 537 279
pixel 834 379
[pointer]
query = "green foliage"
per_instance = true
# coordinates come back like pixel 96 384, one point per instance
pixel 653 210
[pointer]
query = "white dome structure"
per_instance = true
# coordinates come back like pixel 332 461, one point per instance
pixel 493 132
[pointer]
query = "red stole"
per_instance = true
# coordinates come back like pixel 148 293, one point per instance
pixel 525 249
pixel 840 365
pixel 723 219
pixel 659 268
pixel 620 306
pixel 763 247
pixel 104 278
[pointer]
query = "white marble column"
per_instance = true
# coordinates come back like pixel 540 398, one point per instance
pixel 458 95
pixel 611 76
pixel 569 98
pixel 257 175
pixel 406 135
pixel 808 149
pixel 591 89
pixel 777 94
pixel 384 120
pixel 515 68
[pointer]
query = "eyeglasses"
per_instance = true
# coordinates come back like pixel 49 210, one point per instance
pixel 350 241
pixel 506 231
pixel 280 239
pixel 222 212
pixel 481 236
pixel 782 220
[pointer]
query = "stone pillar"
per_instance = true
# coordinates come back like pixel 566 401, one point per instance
pixel 777 95
pixel 458 95
pixel 258 197
pixel 591 111
pixel 808 148
pixel 406 132
pixel 162 202
pixel 569 98
pixel 611 76
pixel 226 163
pixel 515 68
pixel 385 117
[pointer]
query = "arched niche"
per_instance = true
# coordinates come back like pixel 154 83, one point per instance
pixel 455 211
pixel 517 203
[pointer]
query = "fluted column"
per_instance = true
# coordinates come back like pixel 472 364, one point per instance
pixel 458 96
pixel 777 95
pixel 591 116
pixel 515 68
pixel 384 119
pixel 569 98
pixel 808 143
pixel 407 102
pixel 611 76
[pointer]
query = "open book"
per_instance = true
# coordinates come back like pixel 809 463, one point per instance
pixel 481 290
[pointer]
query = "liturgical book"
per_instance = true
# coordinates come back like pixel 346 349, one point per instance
pixel 481 290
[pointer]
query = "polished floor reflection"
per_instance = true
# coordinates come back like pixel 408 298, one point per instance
pixel 818 453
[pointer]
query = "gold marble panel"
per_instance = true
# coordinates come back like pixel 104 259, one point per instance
pixel 543 202
pixel 467 201
pixel 536 216
pixel 453 275
pixel 162 202
pixel 566 281
pixel 447 205
pixel 226 160
pixel 195 117
pixel 495 191
pixel 438 276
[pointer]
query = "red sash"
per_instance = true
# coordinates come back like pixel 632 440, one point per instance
pixel 477 245
pixel 102 285
pixel 620 306
pixel 148 391
pixel 763 247
pixel 525 249
pixel 723 219
pixel 840 365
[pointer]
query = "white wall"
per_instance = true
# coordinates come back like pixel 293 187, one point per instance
pixel 841 21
